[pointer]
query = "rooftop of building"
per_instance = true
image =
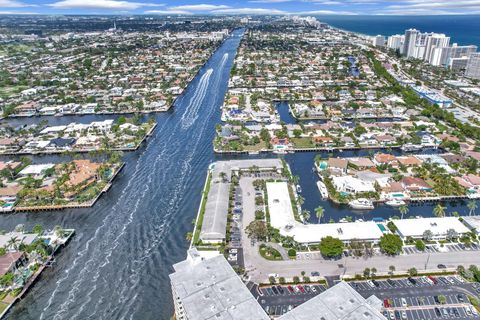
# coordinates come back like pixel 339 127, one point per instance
pixel 438 226
pixel 210 289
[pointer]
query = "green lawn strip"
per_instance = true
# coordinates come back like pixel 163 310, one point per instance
pixel 198 227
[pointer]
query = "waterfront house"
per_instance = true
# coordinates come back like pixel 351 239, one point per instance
pixel 352 184
pixel 11 261
pixel 337 166
pixel 415 184
pixel 385 158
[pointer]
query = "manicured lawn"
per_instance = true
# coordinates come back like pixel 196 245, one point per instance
pixel 3 306
pixel 270 253
pixel 8 91
pixel 303 143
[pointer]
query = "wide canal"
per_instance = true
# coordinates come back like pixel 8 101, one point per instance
pixel 117 265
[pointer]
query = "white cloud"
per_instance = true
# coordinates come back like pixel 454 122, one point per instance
pixel 199 7
pixel 13 4
pixel 100 4
pixel 249 11
pixel 17 12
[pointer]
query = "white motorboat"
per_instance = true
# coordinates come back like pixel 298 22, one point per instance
pixel 395 203
pixel 299 189
pixel 323 189
pixel 361 204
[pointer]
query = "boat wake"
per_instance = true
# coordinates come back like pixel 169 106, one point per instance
pixel 196 100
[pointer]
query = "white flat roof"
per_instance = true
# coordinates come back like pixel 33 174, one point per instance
pixel 282 218
pixel 36 169
pixel 340 302
pixel 438 226
pixel 210 289
pixel 279 205
pixel 311 233
pixel 473 222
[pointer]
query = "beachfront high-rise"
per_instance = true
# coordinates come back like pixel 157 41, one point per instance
pixel 432 47
pixel 410 42
pixel 473 66
pixel 396 41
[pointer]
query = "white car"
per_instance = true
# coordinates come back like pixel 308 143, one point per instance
pixel 370 283
pixel 404 302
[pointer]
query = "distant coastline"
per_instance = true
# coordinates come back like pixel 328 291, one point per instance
pixel 463 29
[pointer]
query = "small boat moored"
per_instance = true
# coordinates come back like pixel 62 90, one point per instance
pixel 361 204
pixel 323 189
pixel 395 203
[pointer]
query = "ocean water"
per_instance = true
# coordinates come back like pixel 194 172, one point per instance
pixel 462 29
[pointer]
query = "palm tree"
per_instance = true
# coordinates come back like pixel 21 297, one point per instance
pixel 319 212
pixel 300 200
pixel 403 210
pixel 439 211
pixel 472 205
pixel 12 243
pixel 306 215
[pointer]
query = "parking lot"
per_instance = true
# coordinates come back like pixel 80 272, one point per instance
pixel 446 248
pixel 279 299
pixel 235 256
pixel 422 297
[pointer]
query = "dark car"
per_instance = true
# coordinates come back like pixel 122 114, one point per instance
pixel 315 274
pixel 397 314
pixel 375 282
pixel 412 281
pixel 280 289
pixel 275 291
pixel 441 266
pixel 391 282
pixel 436 299
pixel 437 312
pixel 460 298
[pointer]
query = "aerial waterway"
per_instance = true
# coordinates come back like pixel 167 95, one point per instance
pixel 117 265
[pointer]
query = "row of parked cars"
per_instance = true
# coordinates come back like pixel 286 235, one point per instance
pixel 290 289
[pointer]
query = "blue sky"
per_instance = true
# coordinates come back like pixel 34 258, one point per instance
pixel 251 7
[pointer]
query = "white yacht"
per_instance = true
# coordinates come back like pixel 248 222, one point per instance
pixel 323 189
pixel 361 204
pixel 395 203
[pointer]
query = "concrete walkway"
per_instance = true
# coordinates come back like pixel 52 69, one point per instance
pixel 280 249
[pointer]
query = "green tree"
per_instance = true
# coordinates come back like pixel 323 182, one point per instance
pixel 439 211
pixel 403 210
pixel 420 245
pixel 412 272
pixel 257 230
pixel 37 229
pixel 319 213
pixel 391 244
pixel 331 247
pixel 472 205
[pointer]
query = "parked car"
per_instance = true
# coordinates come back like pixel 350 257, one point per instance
pixel 437 312
pixel 370 283
pixel 290 289
pixel 386 303
pixel 433 279
pixel 441 266
pixel 275 291
pixel 280 289
pixel 404 302
pixel 391 282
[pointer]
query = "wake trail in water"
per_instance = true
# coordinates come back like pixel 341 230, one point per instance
pixel 195 102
